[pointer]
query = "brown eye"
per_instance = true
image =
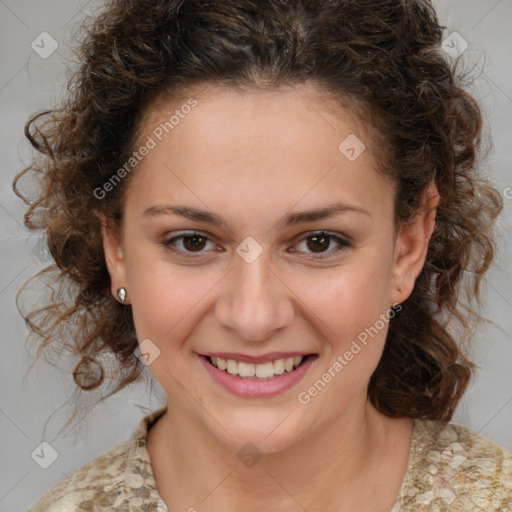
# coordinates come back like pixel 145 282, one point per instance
pixel 187 243
pixel 320 242
pixel 194 242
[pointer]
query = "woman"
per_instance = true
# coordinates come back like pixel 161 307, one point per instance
pixel 271 206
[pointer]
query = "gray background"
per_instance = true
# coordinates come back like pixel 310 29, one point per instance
pixel 29 83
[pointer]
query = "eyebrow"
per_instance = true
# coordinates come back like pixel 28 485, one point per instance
pixel 290 219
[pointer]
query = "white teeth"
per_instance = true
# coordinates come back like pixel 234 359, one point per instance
pixel 262 371
pixel 232 367
pixel 278 366
pixel 288 364
pixel 246 369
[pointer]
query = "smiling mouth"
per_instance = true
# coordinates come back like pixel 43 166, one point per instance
pixel 263 371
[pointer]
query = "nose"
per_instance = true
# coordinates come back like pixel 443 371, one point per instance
pixel 254 301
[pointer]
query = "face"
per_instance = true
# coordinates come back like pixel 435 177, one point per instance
pixel 251 235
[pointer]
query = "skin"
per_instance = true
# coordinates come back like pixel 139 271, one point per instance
pixel 253 157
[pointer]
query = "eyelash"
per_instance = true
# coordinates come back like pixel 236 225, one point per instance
pixel 343 244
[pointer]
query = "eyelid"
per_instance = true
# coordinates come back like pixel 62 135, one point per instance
pixel 343 242
pixel 333 234
pixel 167 241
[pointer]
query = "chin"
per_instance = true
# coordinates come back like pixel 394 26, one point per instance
pixel 268 433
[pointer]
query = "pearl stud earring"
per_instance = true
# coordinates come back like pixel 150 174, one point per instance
pixel 121 293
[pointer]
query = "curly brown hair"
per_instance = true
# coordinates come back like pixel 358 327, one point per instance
pixel 382 59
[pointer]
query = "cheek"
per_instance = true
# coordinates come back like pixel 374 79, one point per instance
pixel 349 299
pixel 341 303
pixel 166 301
pixel 351 311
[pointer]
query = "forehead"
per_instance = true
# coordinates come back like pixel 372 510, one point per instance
pixel 285 145
pixel 247 111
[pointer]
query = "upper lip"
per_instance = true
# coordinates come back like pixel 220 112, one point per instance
pixel 264 358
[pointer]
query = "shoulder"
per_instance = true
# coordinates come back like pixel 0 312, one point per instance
pixel 453 466
pixel 120 479
pixel 94 482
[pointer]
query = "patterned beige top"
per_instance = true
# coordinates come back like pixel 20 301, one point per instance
pixel 451 469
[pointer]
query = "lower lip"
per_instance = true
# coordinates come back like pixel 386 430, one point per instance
pixel 250 388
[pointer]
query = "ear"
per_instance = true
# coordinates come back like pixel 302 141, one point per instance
pixel 412 246
pixel 114 257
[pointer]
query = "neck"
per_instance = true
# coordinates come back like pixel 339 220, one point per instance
pixel 342 459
